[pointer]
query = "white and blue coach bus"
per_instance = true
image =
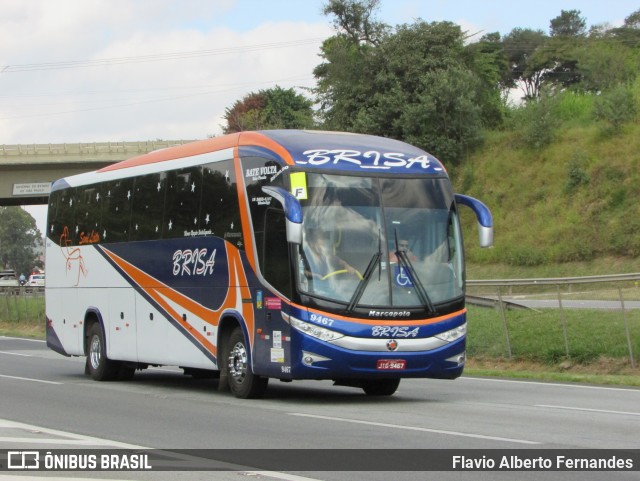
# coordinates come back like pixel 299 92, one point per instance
pixel 277 254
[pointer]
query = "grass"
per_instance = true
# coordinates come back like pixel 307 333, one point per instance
pixel 27 307
pixel 569 202
pixel 27 329
pixel 596 340
pixel 596 373
pixel 575 345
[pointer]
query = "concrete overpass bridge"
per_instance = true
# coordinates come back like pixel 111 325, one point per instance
pixel 27 170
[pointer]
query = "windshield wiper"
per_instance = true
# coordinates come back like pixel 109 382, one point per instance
pixel 405 262
pixel 362 285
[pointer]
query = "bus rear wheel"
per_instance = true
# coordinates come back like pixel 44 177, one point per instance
pixel 100 367
pixel 243 383
pixel 380 387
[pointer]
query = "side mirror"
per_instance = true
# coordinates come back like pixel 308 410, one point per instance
pixel 292 212
pixel 483 214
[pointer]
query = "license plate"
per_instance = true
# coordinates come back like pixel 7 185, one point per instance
pixel 391 364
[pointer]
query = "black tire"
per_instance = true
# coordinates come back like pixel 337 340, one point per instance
pixel 380 387
pixel 125 371
pixel 100 367
pixel 242 382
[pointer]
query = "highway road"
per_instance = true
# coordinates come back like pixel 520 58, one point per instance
pixel 46 402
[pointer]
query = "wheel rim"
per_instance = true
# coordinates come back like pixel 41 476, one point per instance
pixel 238 363
pixel 95 352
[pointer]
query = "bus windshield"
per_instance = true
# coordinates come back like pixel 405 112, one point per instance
pixel 380 241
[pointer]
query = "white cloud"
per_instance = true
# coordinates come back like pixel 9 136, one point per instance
pixel 159 68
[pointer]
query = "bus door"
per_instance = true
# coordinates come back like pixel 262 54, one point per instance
pixel 272 347
pixel 273 338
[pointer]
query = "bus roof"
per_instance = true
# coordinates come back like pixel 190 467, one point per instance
pixel 315 149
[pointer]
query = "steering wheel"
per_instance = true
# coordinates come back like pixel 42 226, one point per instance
pixel 340 272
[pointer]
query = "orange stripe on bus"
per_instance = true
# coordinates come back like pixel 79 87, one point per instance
pixel 178 152
pixel 386 322
pixel 204 147
pixel 261 140
pixel 237 292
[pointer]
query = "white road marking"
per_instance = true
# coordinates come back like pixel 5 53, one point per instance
pixel 23 339
pixel 29 379
pixel 68 438
pixel 603 411
pixel 415 428
pixel 552 384
pixel 15 354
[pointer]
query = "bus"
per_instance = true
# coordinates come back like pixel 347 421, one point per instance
pixel 277 254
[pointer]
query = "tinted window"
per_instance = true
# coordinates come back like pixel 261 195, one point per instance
pixel 220 211
pixel 116 215
pixel 182 202
pixel 148 206
pixel 89 214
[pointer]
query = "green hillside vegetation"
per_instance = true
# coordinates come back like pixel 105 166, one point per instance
pixel 569 206
pixel 560 171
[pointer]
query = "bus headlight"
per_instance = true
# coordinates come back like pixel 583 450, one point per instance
pixel 453 334
pixel 312 330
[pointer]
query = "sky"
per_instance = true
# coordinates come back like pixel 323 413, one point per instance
pixel 134 70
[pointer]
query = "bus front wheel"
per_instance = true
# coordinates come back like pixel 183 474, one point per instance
pixel 100 367
pixel 243 383
pixel 380 387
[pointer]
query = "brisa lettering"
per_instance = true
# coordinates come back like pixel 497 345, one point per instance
pixel 195 262
pixel 371 159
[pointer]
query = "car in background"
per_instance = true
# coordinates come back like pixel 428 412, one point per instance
pixel 36 280
pixel 8 278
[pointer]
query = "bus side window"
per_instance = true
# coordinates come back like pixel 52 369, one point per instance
pixel 64 230
pixel 275 252
pixel 219 209
pixel 54 228
pixel 184 191
pixel 148 206
pixel 116 210
pixel 89 214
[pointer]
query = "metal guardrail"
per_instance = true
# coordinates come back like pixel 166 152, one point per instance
pixel 555 280
pixel 492 302
pixel 500 303
pixel 19 290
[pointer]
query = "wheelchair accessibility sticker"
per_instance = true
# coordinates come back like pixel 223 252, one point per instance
pixel 402 277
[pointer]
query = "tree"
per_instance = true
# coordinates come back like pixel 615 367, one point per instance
pixel 345 77
pixel 244 114
pixel 568 24
pixel 285 109
pixel 274 108
pixel 605 63
pixel 19 236
pixel 629 32
pixel 633 20
pixel 519 46
pixel 425 91
pixel 446 119
pixel 417 83
pixel 356 19
pixel 557 58
pixel 488 61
